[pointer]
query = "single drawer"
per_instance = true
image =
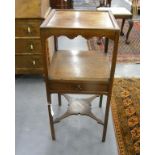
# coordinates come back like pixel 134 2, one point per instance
pixel 28 46
pixel 80 87
pixel 29 61
pixel 27 28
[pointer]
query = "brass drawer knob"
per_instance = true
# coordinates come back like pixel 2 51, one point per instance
pixel 28 29
pixel 31 47
pixel 34 62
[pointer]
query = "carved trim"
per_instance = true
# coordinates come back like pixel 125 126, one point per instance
pixel 84 36
pixel 72 36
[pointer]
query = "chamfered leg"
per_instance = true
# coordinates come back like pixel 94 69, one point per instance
pixel 56 48
pixel 122 26
pixel 59 99
pixel 106 44
pixel 106 118
pixel 50 114
pixel 100 102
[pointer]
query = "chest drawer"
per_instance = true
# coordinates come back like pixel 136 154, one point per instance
pixel 28 46
pixel 77 87
pixel 27 28
pixel 29 61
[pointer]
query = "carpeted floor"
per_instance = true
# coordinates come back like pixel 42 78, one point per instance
pixel 126 53
pixel 126 115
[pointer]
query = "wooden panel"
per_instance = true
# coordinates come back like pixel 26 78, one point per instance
pixel 77 87
pixel 51 48
pixel 82 20
pixel 86 23
pixel 79 65
pixel 29 15
pixel 27 28
pixel 31 8
pixel 29 71
pixel 45 8
pixel 26 61
pixel 30 46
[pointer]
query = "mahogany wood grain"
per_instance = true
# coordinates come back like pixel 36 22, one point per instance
pixel 88 72
pixel 26 64
pixel 27 27
pixel 31 8
pixel 77 87
pixel 29 61
pixel 29 15
pixel 72 23
pixel 28 45
pixel 79 65
pixel 76 19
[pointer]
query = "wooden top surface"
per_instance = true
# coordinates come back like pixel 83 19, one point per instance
pixel 80 20
pixel 81 66
pixel 31 8
pixel 116 10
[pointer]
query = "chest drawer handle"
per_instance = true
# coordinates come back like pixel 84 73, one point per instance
pixel 31 47
pixel 33 62
pixel 28 29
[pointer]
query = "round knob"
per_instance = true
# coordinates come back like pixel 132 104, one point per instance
pixel 28 29
pixel 31 47
pixel 33 62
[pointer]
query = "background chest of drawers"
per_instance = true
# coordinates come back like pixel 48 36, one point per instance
pixel 61 4
pixel 28 54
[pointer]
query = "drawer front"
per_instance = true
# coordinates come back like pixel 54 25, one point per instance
pixel 29 61
pixel 69 87
pixel 27 28
pixel 28 46
pixel 29 71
